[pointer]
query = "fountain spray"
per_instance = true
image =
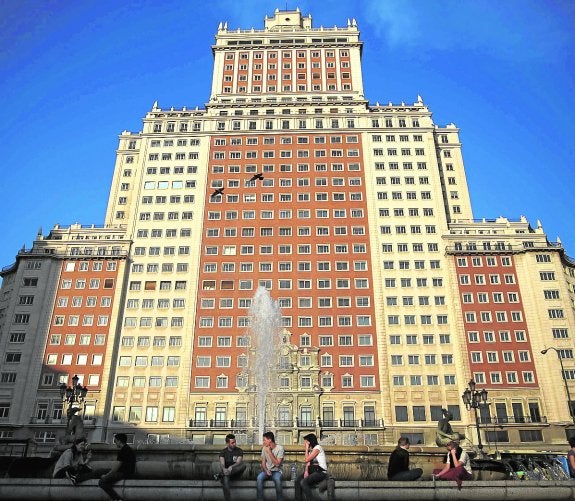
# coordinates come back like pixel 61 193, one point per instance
pixel 265 332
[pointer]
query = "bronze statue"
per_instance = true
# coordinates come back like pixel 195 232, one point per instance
pixel 74 427
pixel 445 433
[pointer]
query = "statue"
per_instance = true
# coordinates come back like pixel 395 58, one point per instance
pixel 74 427
pixel 445 432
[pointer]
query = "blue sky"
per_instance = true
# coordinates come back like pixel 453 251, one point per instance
pixel 74 74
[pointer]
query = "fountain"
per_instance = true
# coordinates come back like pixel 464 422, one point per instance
pixel 265 333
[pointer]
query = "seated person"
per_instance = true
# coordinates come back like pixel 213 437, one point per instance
pixel 73 463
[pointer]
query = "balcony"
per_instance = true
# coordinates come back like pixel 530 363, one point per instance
pixel 494 420
pixel 289 423
pixel 352 423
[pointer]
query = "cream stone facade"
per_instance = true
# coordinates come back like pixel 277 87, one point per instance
pixel 357 219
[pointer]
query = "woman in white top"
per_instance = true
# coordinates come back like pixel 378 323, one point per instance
pixel 315 470
pixel 457 465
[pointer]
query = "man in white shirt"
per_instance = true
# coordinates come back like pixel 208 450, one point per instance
pixel 272 459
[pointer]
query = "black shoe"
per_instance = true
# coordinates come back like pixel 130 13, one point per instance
pixel 71 478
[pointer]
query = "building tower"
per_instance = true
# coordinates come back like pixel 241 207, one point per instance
pixel 357 219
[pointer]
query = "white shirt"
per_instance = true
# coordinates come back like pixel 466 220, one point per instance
pixel 464 458
pixel 321 458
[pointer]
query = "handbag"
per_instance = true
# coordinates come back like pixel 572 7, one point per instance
pixel 315 468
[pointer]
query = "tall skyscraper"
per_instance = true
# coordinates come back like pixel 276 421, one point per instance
pixel 357 220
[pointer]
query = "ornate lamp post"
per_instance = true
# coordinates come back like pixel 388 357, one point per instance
pixel 473 399
pixel 74 394
pixel 543 352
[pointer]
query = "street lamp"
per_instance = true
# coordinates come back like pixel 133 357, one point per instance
pixel 74 394
pixel 473 399
pixel 543 352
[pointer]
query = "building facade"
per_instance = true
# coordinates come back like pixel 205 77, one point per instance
pixel 355 217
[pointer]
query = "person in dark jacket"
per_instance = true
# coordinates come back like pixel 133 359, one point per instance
pixel 398 467
pixel 124 468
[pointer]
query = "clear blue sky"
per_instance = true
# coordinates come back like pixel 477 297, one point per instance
pixel 74 74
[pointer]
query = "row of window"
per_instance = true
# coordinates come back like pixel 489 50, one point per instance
pixel 169 216
pixel 302 321
pixel 284 231
pixel 301 284
pixel 327 381
pixel 153 361
pixel 161 303
pixel 151 416
pixel 205 341
pixel 97 251
pixel 409 195
pixel 288 88
pixel 478 261
pixel 412 320
pixel 74 320
pixel 90 265
pixel 288 197
pixel 507 356
pixel 410 300
pixel 287 182
pixel 504 336
pixel 153 157
pixel 401 212
pixel 472 246
pixel 427 339
pixel 164 285
pixel 406 180
pixel 527 377
pixel 157 341
pixel 489 317
pixel 494 279
pixel 390 283
pixel 164 185
pixel 326 360
pixel 250 141
pixel 196 126
pixel 496 297
pixel 151 171
pixel 68 359
pixel 173 199
pixel 93 283
pixel 392 152
pixel 79 301
pixel 286 302
pixel 414 229
pixel 257 72
pixel 286 54
pixel 232 215
pixel 418 380
pixel 390 138
pixel 83 339
pixel 159 233
pixel 405 166
pixel 415 247
pixel 236 155
pixel 283 168
pixel 232 250
pixel 155 143
pixel 150 322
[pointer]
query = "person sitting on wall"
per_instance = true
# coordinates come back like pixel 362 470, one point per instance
pixel 272 459
pixel 457 465
pixel 231 465
pixel 73 463
pixel 398 466
pixel 124 467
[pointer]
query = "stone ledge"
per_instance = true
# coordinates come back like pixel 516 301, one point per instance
pixel 13 489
